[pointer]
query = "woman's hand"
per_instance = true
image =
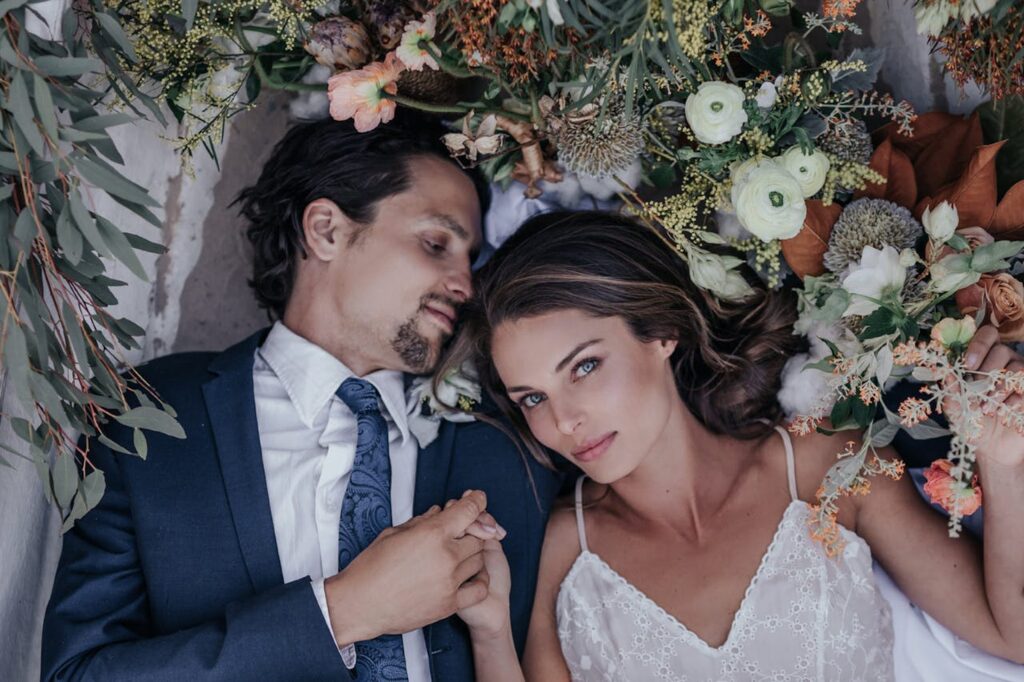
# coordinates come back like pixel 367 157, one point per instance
pixel 999 443
pixel 489 619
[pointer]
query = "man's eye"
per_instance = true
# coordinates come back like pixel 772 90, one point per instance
pixel 531 400
pixel 585 367
pixel 434 246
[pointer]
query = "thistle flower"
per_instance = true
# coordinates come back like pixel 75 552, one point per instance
pixel 869 222
pixel 849 141
pixel 597 144
pixel 339 43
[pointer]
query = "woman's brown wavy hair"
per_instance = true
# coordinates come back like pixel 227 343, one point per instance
pixel 730 355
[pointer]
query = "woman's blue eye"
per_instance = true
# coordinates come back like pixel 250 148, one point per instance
pixel 531 400
pixel 585 367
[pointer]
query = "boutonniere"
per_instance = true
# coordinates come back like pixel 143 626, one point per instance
pixel 459 388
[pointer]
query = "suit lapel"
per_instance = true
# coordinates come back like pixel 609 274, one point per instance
pixel 231 406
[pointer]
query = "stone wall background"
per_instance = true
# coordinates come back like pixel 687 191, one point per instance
pixel 197 298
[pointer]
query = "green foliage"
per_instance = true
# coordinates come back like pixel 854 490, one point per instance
pixel 59 344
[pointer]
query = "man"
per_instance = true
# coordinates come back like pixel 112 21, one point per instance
pixel 256 549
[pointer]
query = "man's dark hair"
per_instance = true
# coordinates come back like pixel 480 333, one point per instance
pixel 329 159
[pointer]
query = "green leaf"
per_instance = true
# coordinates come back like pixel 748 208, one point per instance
pixel 92 488
pixel 881 322
pixel 86 223
pixel 114 445
pixel 7 5
pixel 926 430
pixel 20 106
pixel 883 432
pixel 16 362
pixel 95 124
pixel 69 238
pixel 74 332
pixel 1001 120
pixel 153 419
pixel 25 227
pixel 44 392
pixel 112 27
pixel 188 11
pixel 113 183
pixel 121 247
pixel 44 107
pixel 65 479
pixel 68 66
pixel 992 256
pixel 139 440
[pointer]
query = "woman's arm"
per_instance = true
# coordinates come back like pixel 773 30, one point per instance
pixel 490 625
pixel 543 660
pixel 977 593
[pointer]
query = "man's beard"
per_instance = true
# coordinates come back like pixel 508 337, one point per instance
pixel 418 353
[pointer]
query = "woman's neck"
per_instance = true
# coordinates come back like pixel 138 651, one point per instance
pixel 685 480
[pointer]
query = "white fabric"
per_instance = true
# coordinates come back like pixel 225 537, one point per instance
pixel 308 437
pixel 926 651
pixel 804 616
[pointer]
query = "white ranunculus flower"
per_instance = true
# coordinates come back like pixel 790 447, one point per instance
pixel 766 95
pixel 878 274
pixel 715 112
pixel 426 410
pixel 940 222
pixel 768 200
pixel 808 169
pixel 711 272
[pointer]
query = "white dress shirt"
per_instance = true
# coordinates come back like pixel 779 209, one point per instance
pixel 308 436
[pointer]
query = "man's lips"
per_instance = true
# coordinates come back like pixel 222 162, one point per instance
pixel 444 315
pixel 593 449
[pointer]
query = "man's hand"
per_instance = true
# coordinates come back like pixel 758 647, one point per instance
pixel 413 574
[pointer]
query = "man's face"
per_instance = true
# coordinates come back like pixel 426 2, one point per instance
pixel 397 289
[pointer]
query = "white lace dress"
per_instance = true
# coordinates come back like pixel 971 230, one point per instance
pixel 804 617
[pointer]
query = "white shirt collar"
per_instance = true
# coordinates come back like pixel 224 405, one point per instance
pixel 310 375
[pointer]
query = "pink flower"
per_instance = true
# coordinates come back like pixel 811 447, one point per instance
pixel 360 94
pixel 949 493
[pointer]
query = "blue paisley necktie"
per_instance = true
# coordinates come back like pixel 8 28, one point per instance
pixel 365 512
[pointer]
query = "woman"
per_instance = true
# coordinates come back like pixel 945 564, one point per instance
pixel 685 553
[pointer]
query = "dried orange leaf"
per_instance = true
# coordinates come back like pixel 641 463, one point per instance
pixel 805 252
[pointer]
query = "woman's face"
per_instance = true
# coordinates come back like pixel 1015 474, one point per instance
pixel 589 389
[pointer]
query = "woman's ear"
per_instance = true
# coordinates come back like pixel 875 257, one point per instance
pixel 324 227
pixel 666 347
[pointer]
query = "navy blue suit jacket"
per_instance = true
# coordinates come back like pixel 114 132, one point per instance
pixel 175 575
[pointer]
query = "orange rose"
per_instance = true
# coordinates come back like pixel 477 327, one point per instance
pixel 945 491
pixel 1003 297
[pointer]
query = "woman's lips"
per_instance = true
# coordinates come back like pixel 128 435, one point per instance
pixel 594 449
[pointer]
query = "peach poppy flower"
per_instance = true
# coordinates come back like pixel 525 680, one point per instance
pixel 410 52
pixel 946 491
pixel 359 94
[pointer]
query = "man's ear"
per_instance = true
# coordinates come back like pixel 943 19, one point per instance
pixel 325 228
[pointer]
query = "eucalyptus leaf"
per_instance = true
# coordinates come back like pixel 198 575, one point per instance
pixel 153 419
pixel 113 183
pixel 44 107
pixel 86 223
pixel 139 440
pixel 112 27
pixel 1001 120
pixel 65 479
pixel 92 488
pixel 20 106
pixel 67 66
pixel 121 247
pixel 69 238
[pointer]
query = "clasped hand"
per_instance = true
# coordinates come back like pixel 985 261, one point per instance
pixel 417 573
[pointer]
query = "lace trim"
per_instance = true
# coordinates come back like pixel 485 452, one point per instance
pixel 688 634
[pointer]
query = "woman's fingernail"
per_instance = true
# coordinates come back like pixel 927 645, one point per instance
pixel 972 361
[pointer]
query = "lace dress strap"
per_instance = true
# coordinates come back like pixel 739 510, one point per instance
pixel 790 464
pixel 579 514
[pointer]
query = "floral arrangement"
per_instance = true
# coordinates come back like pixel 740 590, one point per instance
pixel 904 274
pixel 732 123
